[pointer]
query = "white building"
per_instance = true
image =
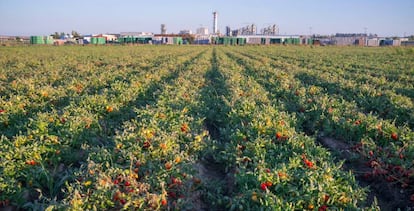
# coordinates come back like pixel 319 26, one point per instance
pixel 202 31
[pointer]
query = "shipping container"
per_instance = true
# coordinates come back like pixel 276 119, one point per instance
pixel 98 40
pixel 288 41
pixel 177 40
pixel 275 41
pixel 296 41
pixel 241 41
pixel 254 40
pixel 37 40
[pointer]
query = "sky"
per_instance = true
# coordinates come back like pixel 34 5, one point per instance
pixel 44 17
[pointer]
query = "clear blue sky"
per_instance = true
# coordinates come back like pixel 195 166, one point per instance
pixel 43 17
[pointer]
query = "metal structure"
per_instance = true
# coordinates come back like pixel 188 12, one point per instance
pixel 270 30
pixel 163 29
pixel 250 29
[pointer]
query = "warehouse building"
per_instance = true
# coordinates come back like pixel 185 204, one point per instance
pixel 271 39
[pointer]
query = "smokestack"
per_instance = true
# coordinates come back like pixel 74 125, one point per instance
pixel 163 29
pixel 215 22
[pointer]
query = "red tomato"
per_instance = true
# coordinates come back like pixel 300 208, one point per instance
pixel 278 135
pixel 394 136
pixel 263 186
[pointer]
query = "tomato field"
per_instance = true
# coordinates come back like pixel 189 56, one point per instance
pixel 206 128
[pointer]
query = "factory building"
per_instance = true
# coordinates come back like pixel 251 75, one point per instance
pixel 202 31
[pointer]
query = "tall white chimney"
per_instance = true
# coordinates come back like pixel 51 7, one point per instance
pixel 215 22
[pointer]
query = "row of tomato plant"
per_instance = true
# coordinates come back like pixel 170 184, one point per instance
pixel 49 146
pixel 272 164
pixel 128 128
pixel 381 89
pixel 386 146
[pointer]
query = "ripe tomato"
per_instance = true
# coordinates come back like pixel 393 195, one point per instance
pixel 163 146
pixel 31 162
pixel 146 144
pixel 127 183
pixel 268 184
pixel 394 136
pixel 184 128
pixel 278 135
pixel 109 109
pixel 308 163
pixel 323 208
pixel 326 198
pixel 168 165
pixel 164 202
pixel 371 153
pixel 263 186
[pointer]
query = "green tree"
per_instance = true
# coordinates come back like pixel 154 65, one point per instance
pixel 55 35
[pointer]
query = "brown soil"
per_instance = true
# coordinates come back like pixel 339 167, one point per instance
pixel 389 196
pixel 208 171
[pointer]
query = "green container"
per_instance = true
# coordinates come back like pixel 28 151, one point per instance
pixel 177 40
pixel 310 41
pixel 101 40
pixel 93 40
pixel 49 40
pixel 37 40
pixel 288 41
pixel 98 40
pixel 241 41
pixel 275 41
pixel 296 41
